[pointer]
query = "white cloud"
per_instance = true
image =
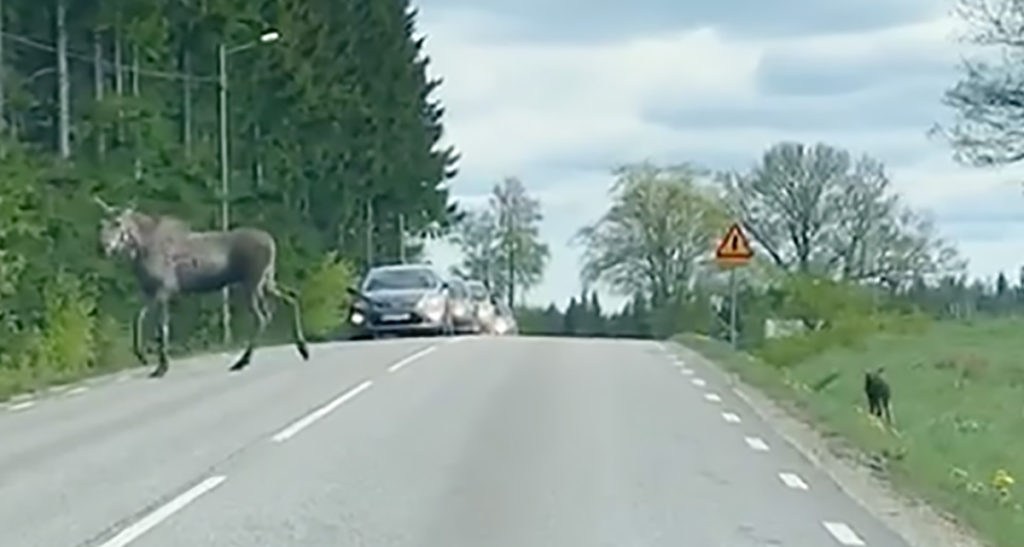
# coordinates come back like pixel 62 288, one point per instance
pixel 561 114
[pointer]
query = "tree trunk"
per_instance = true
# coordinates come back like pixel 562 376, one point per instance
pixel 186 85
pixel 98 89
pixel 137 132
pixel 186 99
pixel 63 84
pixel 119 80
pixel 257 166
pixel 3 67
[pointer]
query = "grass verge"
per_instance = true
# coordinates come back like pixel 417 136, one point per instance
pixel 959 406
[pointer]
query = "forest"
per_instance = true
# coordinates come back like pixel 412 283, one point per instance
pixel 333 142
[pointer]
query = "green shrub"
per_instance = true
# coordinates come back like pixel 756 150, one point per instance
pixel 324 297
pixel 112 340
pixel 69 342
pixel 820 301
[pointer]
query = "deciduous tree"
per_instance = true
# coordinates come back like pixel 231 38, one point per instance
pixel 659 227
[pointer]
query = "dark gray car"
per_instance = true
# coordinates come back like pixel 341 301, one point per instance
pixel 401 300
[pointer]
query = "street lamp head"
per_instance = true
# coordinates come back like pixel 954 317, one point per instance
pixel 270 36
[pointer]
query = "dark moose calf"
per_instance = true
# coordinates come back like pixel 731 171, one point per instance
pixel 878 394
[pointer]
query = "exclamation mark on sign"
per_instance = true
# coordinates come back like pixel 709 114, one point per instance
pixel 735 244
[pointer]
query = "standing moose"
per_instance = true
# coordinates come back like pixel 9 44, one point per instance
pixel 168 258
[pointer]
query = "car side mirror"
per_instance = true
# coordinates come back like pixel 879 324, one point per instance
pixel 354 292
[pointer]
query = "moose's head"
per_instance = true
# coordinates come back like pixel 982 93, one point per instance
pixel 118 229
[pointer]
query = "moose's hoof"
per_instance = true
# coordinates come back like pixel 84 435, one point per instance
pixel 304 352
pixel 241 364
pixel 159 372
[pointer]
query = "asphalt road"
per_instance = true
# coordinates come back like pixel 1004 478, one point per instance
pixel 482 442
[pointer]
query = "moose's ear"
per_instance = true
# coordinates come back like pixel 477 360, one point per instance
pixel 106 207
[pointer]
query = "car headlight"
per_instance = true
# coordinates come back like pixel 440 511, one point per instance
pixel 357 318
pixel 500 326
pixel 485 312
pixel 432 306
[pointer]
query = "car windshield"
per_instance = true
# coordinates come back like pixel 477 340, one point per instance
pixel 400 279
pixel 478 291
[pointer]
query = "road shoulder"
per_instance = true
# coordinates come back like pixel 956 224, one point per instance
pixel 918 523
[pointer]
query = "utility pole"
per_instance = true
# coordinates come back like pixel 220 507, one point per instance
pixel 222 80
pixel 401 237
pixel 369 233
pixel 225 221
pixel 63 84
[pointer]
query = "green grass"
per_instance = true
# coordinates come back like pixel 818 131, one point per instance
pixel 958 397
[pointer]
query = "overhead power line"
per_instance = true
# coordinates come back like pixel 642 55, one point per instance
pixel 166 75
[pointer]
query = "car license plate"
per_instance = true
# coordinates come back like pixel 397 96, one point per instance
pixel 391 317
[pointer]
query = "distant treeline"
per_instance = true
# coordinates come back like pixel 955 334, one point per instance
pixel 951 298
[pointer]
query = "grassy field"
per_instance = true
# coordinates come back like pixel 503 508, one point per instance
pixel 958 403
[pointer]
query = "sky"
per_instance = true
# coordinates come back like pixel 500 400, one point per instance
pixel 558 93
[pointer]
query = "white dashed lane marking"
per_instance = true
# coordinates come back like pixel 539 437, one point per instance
pixel 78 390
pixel 23 406
pixel 843 533
pixel 756 443
pixel 793 481
pixel 312 417
pixel 688 372
pixel 133 532
pixel 699 382
pixel 426 351
pixel 714 398
pixel 731 418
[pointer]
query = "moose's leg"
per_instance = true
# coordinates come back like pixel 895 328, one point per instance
pixel 887 410
pixel 293 301
pixel 140 321
pixel 165 329
pixel 261 319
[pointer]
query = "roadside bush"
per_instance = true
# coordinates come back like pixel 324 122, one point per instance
pixel 324 298
pixel 68 344
pixel 837 315
pixel 822 303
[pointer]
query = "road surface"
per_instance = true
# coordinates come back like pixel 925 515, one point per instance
pixel 424 442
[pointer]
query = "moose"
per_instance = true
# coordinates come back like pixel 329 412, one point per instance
pixel 878 393
pixel 168 259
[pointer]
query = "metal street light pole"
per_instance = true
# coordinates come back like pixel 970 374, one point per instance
pixel 225 186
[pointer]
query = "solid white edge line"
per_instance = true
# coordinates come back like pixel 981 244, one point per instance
pixel 309 419
pixel 713 397
pixel 405 361
pixel 843 533
pixel 756 443
pixel 793 481
pixel 731 418
pixel 133 532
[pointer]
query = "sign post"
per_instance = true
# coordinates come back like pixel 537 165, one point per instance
pixel 733 252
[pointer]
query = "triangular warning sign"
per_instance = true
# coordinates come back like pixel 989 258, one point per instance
pixel 734 246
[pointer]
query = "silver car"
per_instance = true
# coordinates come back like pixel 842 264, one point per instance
pixel 504 321
pixel 483 305
pixel 463 316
